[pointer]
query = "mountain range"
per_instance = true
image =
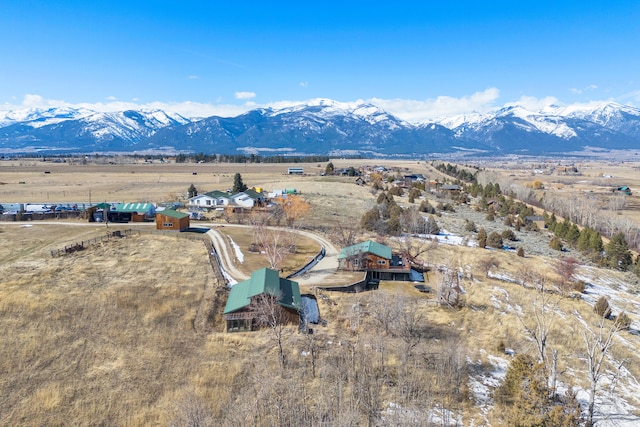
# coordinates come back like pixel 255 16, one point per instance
pixel 323 127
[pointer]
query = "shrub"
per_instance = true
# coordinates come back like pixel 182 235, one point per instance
pixel 482 238
pixel 426 207
pixel 601 308
pixel 396 191
pixel 578 286
pixel 470 226
pixel 623 322
pixel 556 243
pixel 520 252
pixel 509 235
pixel 494 240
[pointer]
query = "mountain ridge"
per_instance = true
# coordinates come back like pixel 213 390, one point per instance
pixel 323 126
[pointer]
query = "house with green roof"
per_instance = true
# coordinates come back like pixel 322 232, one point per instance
pixel 377 260
pixel 364 256
pixel 238 313
pixel 216 198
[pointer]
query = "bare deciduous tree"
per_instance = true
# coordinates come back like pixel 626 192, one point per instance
pixel 344 234
pixel 597 343
pixel 538 326
pixel 273 242
pixel 270 314
pixel 486 264
pixel 413 248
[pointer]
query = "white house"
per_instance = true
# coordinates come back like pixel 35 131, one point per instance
pixel 211 199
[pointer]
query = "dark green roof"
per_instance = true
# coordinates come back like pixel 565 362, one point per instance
pixel 172 213
pixel 253 194
pixel 264 281
pixel 366 247
pixel 217 193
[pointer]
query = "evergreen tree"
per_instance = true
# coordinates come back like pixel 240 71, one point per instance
pixel 192 191
pixel 572 234
pixel 618 253
pixel 238 185
pixel 329 169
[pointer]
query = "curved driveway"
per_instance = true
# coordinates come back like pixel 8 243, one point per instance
pixel 316 275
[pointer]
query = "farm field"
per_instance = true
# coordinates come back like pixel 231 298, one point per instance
pixel 129 331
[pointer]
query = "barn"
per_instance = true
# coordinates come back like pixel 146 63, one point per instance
pixel 169 219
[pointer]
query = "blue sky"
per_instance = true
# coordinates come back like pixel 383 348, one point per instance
pixel 415 59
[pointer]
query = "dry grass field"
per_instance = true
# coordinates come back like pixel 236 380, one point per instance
pixel 110 335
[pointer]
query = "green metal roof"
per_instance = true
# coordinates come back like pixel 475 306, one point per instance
pixel 264 281
pixel 253 194
pixel 135 207
pixel 366 247
pixel 172 213
pixel 217 193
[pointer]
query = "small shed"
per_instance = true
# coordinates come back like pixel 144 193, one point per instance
pixel 170 219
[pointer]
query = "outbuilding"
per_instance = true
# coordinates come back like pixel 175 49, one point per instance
pixel 170 219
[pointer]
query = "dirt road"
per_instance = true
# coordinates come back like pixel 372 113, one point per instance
pixel 326 267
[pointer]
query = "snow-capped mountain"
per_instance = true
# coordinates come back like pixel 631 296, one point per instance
pixel 324 126
pixel 73 130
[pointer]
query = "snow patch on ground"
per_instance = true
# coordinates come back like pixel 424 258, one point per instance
pixel 237 250
pixel 483 382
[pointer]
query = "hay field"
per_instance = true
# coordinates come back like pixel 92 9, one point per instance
pixel 35 181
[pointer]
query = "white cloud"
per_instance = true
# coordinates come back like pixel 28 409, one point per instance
pixel 578 91
pixel 406 109
pixel 303 84
pixel 442 106
pixel 245 95
pixel 533 103
pixel 192 77
pixel 111 98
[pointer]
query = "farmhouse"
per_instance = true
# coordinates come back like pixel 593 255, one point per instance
pixel 211 199
pixel 238 313
pixel 248 199
pixel 170 219
pixel 216 198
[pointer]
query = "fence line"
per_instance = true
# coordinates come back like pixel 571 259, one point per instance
pixel 84 244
